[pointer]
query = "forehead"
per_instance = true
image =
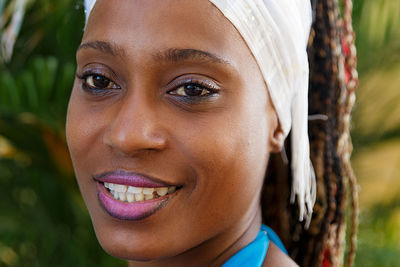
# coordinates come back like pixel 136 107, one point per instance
pixel 142 25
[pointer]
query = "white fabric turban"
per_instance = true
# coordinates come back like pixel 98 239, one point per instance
pixel 276 32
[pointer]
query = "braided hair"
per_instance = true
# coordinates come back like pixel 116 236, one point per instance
pixel 333 80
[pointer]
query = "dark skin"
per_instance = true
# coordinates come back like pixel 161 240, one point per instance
pixel 178 96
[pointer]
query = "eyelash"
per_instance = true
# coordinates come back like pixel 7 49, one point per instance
pixel 204 86
pixel 178 86
pixel 97 90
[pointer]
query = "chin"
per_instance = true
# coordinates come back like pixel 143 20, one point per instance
pixel 130 252
pixel 120 244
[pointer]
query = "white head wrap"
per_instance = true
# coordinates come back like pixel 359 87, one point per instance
pixel 276 32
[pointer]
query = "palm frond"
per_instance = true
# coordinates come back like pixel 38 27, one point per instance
pixel 10 26
pixel 378 33
pixel 377 111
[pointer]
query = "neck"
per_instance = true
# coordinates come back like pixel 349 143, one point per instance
pixel 215 251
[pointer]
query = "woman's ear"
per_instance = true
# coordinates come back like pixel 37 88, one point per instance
pixel 277 137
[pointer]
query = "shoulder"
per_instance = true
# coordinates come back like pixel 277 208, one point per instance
pixel 275 257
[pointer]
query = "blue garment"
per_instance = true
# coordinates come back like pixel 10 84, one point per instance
pixel 253 254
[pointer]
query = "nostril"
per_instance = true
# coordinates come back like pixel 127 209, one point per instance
pixel 130 139
pixel 136 126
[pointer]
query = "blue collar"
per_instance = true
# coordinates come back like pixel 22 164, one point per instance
pixel 254 253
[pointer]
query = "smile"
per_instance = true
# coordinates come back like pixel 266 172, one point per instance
pixel 132 196
pixel 135 194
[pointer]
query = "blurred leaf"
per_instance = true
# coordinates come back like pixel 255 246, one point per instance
pixel 378 33
pixel 377 112
pixel 43 220
pixel 10 24
pixel 376 129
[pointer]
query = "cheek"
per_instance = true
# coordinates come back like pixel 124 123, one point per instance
pixel 77 131
pixel 229 152
pixel 84 126
pixel 82 132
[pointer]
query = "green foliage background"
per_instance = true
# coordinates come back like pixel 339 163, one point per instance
pixel 43 221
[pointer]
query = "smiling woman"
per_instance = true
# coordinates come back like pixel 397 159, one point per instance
pixel 175 110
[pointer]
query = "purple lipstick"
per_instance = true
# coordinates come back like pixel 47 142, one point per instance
pixel 132 196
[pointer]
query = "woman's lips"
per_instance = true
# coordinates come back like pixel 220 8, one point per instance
pixel 129 178
pixel 131 196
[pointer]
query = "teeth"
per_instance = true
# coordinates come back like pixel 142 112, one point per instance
pixel 148 191
pixel 139 197
pixel 148 196
pixel 122 196
pixel 132 194
pixel 162 191
pixel 120 188
pixel 171 189
pixel 130 197
pixel 135 190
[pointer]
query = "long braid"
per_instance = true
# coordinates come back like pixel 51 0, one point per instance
pixel 333 79
pixel 352 83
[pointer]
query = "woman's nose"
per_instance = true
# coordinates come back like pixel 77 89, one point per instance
pixel 135 128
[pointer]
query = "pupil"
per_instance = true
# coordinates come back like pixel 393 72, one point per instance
pixel 193 90
pixel 100 81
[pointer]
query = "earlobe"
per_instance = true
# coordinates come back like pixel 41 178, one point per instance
pixel 277 138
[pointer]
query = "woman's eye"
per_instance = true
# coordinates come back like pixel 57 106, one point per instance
pixel 98 82
pixel 192 90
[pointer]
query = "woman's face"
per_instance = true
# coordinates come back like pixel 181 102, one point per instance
pixel 168 96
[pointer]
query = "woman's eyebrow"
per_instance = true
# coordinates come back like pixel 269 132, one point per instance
pixel 176 55
pixel 173 55
pixel 104 47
